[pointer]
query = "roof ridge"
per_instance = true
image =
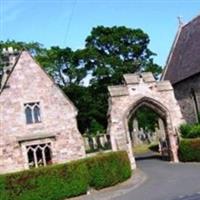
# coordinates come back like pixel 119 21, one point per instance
pixel 192 20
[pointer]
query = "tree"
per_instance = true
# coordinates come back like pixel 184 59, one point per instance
pixel 91 117
pixel 112 51
pixel 62 64
pixel 109 53
pixel 34 48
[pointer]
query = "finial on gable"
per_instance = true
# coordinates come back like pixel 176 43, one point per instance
pixel 180 21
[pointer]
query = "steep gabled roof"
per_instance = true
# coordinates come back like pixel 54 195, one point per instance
pixel 26 53
pixel 184 59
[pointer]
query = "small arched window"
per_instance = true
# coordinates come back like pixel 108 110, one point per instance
pixel 29 118
pixel 36 111
pixel 32 112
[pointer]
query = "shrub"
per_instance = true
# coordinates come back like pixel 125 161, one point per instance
pixel 108 169
pixel 49 183
pixel 190 131
pixel 189 150
pixel 185 129
pixel 57 182
pixel 195 131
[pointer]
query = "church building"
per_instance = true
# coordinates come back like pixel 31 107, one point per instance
pixel 183 69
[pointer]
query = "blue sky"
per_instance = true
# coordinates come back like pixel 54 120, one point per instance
pixel 68 22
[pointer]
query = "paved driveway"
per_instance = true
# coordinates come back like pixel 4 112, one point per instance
pixel 166 181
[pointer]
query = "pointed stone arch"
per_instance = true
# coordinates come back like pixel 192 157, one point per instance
pixel 140 90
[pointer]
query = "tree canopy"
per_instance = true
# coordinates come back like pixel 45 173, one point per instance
pixel 109 52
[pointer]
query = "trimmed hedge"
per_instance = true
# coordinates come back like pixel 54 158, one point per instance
pixel 57 182
pixel 108 169
pixel 189 150
pixel 49 183
pixel 190 130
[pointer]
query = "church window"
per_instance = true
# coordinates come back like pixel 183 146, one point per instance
pixel 32 112
pixel 39 155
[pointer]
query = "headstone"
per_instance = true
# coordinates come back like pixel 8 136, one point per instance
pixel 86 143
pixel 162 129
pixel 102 140
pixel 94 142
pixel 135 132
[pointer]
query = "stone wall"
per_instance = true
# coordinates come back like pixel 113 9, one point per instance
pixel 29 83
pixel 137 91
pixel 183 94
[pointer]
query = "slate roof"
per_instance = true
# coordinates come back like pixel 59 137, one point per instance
pixel 184 59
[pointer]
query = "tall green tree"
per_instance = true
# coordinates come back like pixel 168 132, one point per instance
pixel 109 53
pixel 62 65
pixel 113 51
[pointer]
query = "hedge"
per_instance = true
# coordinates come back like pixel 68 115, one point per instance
pixel 57 182
pixel 49 183
pixel 108 169
pixel 189 150
pixel 190 130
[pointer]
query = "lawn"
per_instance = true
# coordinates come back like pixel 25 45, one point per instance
pixel 145 148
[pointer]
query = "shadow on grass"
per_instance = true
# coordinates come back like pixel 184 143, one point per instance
pixel 151 157
pixel 154 148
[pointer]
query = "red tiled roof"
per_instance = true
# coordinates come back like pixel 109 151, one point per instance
pixel 184 60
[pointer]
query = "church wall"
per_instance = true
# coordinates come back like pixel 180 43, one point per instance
pixel 183 93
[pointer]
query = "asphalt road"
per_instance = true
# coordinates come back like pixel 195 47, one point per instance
pixel 166 181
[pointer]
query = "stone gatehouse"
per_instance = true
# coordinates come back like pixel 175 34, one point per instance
pixel 142 90
pixel 37 121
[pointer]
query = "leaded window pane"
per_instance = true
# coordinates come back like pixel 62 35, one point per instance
pixel 32 112
pixel 29 117
pixel 39 155
pixel 36 111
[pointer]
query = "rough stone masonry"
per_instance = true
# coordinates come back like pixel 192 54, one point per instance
pixel 142 90
pixel 37 121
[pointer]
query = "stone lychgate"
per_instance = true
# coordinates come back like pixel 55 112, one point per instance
pixel 142 90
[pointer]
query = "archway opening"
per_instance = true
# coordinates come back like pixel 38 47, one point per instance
pixel 148 131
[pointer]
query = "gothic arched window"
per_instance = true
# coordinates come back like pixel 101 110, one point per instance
pixel 39 155
pixel 36 111
pixel 32 112
pixel 29 118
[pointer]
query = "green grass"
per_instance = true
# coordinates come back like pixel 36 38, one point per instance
pixel 145 148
